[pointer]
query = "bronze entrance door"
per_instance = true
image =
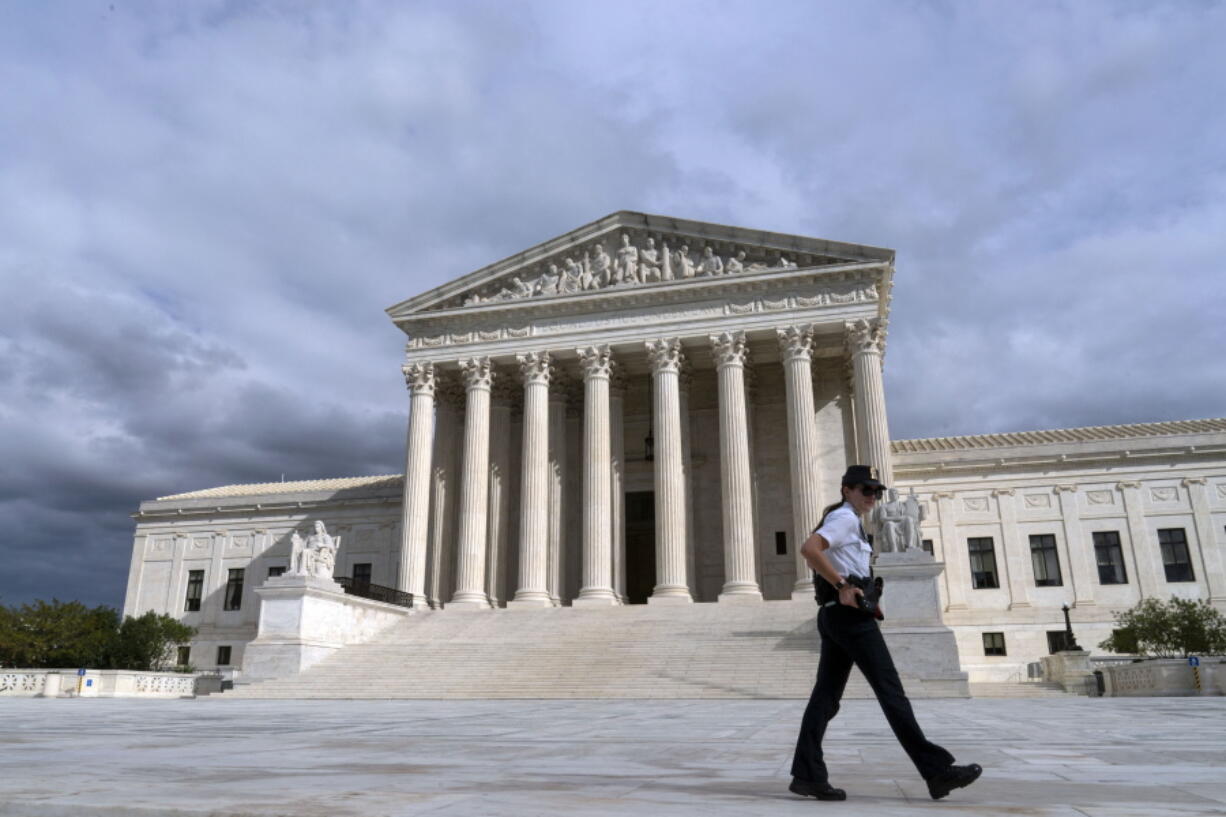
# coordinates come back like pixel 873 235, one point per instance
pixel 640 545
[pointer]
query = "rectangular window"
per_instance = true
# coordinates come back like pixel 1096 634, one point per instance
pixel 926 544
pixel 223 655
pixel 195 589
pixel 361 573
pixel 1110 558
pixel 1175 558
pixel 276 570
pixel 234 590
pixel 994 644
pixel 1046 562
pixel 983 562
pixel 183 657
pixel 1057 641
pixel 781 543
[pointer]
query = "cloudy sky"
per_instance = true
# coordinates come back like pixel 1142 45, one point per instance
pixel 205 208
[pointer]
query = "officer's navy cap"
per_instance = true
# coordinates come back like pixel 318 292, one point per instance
pixel 865 475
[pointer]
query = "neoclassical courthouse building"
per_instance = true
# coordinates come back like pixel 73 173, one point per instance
pixel 653 410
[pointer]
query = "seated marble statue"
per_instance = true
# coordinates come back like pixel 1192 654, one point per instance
pixel 316 555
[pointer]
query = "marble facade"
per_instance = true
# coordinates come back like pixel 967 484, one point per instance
pixel 655 410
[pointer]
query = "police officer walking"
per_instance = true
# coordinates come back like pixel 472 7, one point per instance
pixel 839 554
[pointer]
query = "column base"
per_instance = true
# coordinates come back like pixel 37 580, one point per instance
pixel 676 597
pixel 469 604
pixel 530 602
pixel 803 595
pixel 740 597
pixel 596 599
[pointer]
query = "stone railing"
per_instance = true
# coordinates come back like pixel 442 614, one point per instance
pixel 1162 677
pixel 108 683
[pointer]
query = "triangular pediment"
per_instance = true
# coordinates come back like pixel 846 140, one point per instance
pixel 626 250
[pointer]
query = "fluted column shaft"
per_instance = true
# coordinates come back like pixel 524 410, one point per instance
pixel 503 395
pixel 666 359
pixel 474 485
pixel 796 345
pixel 736 484
pixel 865 342
pixel 597 472
pixel 534 491
pixel 415 509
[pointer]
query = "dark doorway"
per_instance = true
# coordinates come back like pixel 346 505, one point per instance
pixel 640 545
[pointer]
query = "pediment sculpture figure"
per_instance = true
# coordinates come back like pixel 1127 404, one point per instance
pixel 314 556
pixel 627 269
pixel 711 263
pixel 649 262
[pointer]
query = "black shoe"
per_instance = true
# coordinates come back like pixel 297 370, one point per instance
pixel 955 777
pixel 822 791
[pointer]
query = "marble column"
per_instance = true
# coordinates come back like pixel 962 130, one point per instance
pixel 478 376
pixel 557 489
pixel 1083 570
pixel 1146 555
pixel 1210 551
pixel 415 510
pixel 1016 553
pixel 796 347
pixel 953 553
pixel 736 486
pixel 666 358
pixel 449 401
pixel 865 343
pixel 534 485
pixel 597 589
pixel 617 429
pixel 497 536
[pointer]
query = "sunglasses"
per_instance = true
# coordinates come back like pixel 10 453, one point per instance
pixel 867 491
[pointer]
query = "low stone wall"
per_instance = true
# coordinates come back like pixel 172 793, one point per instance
pixel 1166 677
pixel 107 683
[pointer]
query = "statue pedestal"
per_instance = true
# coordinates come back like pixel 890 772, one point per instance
pixel 304 619
pixel 924 649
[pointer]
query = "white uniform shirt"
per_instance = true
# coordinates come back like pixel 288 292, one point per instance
pixel 849 551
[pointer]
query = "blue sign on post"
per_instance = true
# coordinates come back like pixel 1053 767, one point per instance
pixel 81 671
pixel 1193 661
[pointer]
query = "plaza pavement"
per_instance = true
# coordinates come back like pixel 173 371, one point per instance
pixel 1066 756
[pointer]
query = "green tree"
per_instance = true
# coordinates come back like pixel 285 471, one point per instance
pixel 69 634
pixel 57 634
pixel 148 642
pixel 1171 628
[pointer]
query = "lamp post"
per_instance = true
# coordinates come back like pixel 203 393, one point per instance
pixel 1071 640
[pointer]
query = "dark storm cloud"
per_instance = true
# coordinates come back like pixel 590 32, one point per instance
pixel 205 208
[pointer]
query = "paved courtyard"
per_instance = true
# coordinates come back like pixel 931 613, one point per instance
pixel 1074 756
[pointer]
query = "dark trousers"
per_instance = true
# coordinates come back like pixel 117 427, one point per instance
pixel 848 637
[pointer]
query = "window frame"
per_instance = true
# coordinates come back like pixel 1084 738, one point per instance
pixel 1111 548
pixel 994 649
pixel 224 652
pixel 980 556
pixel 1183 570
pixel 234 590
pixel 195 591
pixel 1044 558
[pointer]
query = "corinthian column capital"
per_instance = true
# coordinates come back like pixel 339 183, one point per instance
pixel 478 373
pixel 419 377
pixel 596 361
pixel 666 354
pixel 864 337
pixel 535 367
pixel 796 342
pixel 730 349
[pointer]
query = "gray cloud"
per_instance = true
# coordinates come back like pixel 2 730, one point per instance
pixel 206 207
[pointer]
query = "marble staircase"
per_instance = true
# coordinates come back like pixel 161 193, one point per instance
pixel 765 650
